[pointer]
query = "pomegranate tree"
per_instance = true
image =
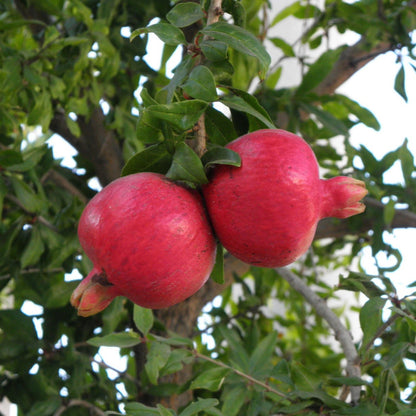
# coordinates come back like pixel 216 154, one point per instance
pixel 149 240
pixel 266 211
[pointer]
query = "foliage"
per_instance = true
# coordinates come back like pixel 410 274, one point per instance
pixel 78 68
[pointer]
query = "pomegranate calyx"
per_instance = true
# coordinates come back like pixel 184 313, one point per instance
pixel 93 294
pixel 343 197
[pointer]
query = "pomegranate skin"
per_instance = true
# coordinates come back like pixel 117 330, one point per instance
pixel 266 211
pixel 149 240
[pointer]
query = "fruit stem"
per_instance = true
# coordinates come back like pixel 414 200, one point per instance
pixel 341 197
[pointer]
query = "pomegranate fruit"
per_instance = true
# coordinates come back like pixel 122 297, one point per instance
pixel 149 240
pixel 265 212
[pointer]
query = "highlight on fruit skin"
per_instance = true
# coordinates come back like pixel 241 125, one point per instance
pixel 149 240
pixel 266 212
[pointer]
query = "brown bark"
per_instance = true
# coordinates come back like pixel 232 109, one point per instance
pixel 96 143
pixel 352 59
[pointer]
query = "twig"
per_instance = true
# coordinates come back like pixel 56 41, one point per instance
pixel 381 330
pixel 200 144
pixel 240 373
pixel 34 270
pixel 341 332
pixel 62 182
pixel 122 374
pixel 39 218
pixel 80 403
pixel 214 11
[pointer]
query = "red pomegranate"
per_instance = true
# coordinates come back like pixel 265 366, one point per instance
pixel 266 211
pixel 149 240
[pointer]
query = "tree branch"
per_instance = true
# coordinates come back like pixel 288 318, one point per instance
pixel 62 182
pixel 350 61
pixel 341 333
pixel 80 403
pixel 96 143
pixel 200 141
pixel 251 379
pixel 214 11
pixel 39 218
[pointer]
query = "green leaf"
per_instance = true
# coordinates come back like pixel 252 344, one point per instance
pixel 27 196
pixel 327 119
pixel 364 115
pixel 241 40
pixel 167 33
pixel 238 10
pixel 73 126
pixel 389 210
pixel 371 318
pixel 157 357
pixel 201 84
pixel 362 408
pixel 11 319
pixel 163 411
pixel 260 359
pixel 318 71
pixel 174 340
pixel 219 155
pixel 396 353
pixel 211 379
pixel 107 9
pixel 148 127
pixel 187 166
pixel 214 50
pixel 154 158
pixel 407 162
pixel 359 282
pixel 179 75
pixel 399 83
pixel 199 406
pixel 238 103
pixel 176 360
pixel 139 409
pixel 272 79
pixel 117 339
pixel 347 381
pixel 369 161
pixel 303 377
pixel 184 14
pixel 31 158
pixel 410 319
pixel 45 407
pixel 10 157
pixel 113 315
pixel 33 250
pixel 322 396
pixel 286 12
pixel 147 98
pixel 183 114
pixel 143 319
pixel 41 113
pixel 220 129
pixel 284 46
pixel 234 399
pixel 3 193
pixel 217 274
pixel 240 358
pixel 222 70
